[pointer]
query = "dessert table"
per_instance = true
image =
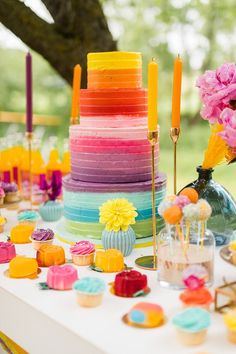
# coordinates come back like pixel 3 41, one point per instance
pixel 51 321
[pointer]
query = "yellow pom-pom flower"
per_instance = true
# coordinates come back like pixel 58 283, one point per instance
pixel 117 214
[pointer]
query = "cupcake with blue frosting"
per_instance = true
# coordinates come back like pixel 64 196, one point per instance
pixel 89 291
pixel 28 217
pixel 192 325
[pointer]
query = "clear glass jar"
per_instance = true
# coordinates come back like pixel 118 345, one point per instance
pixel 182 246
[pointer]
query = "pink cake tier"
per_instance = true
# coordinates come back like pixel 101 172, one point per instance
pixel 7 252
pixel 109 155
pixel 61 277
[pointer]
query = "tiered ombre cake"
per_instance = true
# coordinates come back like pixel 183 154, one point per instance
pixel 110 153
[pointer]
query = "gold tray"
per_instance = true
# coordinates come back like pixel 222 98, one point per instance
pixel 225 255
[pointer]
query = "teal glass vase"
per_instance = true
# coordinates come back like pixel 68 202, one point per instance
pixel 223 219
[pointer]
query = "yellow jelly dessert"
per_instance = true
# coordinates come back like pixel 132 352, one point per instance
pixel 110 260
pixel 49 255
pixel 21 233
pixel 22 267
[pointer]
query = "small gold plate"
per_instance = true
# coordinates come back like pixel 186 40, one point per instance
pixel 145 292
pixel 146 262
pixel 31 276
pixel 225 255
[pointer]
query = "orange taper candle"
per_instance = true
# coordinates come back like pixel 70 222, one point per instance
pixel 152 95
pixel 176 98
pixel 75 94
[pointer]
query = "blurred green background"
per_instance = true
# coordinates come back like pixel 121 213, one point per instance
pixel 203 32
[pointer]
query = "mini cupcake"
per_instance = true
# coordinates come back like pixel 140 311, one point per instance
pixel 89 291
pixel 232 249
pixel 11 193
pixel 82 253
pixel 2 195
pixel 192 325
pixel 27 217
pixel 41 237
pixel 230 322
pixel 2 223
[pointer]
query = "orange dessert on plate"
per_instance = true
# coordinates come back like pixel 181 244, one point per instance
pixel 49 255
pixel 21 233
pixel 23 267
pixel 110 260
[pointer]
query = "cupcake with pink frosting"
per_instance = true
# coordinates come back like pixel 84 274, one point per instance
pixel 2 195
pixel 82 253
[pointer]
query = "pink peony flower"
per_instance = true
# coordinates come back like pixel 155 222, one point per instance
pixel 217 89
pixel 228 117
pixel 193 282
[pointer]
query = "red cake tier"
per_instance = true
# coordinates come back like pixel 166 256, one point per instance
pixel 127 283
pixel 113 102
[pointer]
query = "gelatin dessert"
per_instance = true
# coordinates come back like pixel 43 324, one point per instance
pixel 129 283
pixel 21 233
pixel 23 267
pixel 146 315
pixel 109 260
pixel 7 252
pixel 110 152
pixel 48 255
pixel 61 277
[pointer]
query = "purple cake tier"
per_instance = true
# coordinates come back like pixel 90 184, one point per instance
pixel 72 185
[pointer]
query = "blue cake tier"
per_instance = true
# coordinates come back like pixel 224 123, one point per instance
pixel 83 199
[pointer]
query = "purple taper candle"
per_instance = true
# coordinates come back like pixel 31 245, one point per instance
pixel 29 114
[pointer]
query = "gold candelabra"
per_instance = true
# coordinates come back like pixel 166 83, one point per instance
pixel 174 134
pixel 150 262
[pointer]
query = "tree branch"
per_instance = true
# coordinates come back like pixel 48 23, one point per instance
pixel 80 27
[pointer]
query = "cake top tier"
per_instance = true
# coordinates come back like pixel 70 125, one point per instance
pixel 114 60
pixel 109 70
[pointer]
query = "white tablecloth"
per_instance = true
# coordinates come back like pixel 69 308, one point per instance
pixel 44 322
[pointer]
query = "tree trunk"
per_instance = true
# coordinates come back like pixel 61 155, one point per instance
pixel 79 27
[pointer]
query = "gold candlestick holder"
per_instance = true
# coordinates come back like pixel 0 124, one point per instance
pixel 29 137
pixel 174 134
pixel 74 120
pixel 150 262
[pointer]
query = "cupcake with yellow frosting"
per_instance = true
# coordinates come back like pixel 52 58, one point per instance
pixel 230 322
pixel 232 249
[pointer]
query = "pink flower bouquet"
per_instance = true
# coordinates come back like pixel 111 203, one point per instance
pixel 218 94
